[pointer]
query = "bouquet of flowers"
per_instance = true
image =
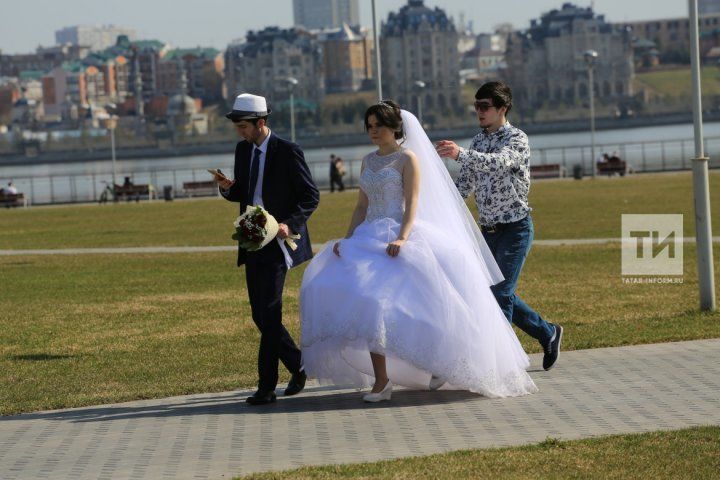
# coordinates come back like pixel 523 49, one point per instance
pixel 256 228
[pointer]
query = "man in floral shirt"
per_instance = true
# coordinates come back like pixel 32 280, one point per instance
pixel 497 168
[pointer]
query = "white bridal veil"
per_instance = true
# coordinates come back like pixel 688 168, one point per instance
pixel 441 205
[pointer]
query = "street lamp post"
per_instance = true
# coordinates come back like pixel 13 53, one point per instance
pixel 419 87
pixel 113 123
pixel 378 65
pixel 701 188
pixel 110 124
pixel 292 115
pixel 292 83
pixel 590 59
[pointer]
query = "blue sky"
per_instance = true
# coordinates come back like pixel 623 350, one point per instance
pixel 25 25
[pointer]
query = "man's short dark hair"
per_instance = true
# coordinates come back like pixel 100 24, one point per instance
pixel 497 92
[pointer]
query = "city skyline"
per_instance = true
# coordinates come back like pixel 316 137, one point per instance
pixel 216 26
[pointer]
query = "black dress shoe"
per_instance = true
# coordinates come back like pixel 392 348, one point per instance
pixel 262 398
pixel 296 384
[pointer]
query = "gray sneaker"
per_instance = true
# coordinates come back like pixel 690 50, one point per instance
pixel 552 348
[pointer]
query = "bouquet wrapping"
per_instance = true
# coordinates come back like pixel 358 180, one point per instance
pixel 256 228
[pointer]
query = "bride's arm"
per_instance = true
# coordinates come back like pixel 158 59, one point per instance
pixel 359 213
pixel 411 189
pixel 358 217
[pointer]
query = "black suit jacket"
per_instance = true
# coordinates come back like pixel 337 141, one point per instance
pixel 288 193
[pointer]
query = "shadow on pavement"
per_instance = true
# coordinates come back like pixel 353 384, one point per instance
pixel 234 404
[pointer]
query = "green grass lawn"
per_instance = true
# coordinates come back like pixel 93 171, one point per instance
pixel 667 82
pixel 562 209
pixel 593 208
pixel 91 329
pixel 682 454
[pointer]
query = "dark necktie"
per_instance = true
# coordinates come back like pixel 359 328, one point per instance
pixel 254 172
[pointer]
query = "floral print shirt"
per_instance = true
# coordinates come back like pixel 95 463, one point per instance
pixel 497 168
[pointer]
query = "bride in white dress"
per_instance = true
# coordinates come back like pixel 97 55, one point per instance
pixel 405 298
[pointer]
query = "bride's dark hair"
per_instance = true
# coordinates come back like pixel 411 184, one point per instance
pixel 388 114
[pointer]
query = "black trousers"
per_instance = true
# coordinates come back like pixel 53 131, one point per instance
pixel 265 282
pixel 336 178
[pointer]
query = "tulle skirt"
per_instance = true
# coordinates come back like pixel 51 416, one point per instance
pixel 410 309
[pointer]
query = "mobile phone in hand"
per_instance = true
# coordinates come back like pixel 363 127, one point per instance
pixel 217 174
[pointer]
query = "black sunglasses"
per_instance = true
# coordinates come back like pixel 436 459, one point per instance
pixel 483 106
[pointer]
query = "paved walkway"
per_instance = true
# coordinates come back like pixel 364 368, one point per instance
pixel 232 248
pixel 590 393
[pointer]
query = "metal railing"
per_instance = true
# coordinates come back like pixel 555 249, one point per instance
pixel 655 156
pixel 646 156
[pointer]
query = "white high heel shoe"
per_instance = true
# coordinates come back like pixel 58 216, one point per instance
pixel 436 382
pixel 385 394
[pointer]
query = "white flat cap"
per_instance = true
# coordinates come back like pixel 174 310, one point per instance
pixel 247 107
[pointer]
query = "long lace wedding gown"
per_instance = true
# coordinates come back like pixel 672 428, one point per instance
pixel 408 308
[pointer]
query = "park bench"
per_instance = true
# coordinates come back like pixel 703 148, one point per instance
pixel 553 170
pixel 134 192
pixel 8 200
pixel 200 189
pixel 612 167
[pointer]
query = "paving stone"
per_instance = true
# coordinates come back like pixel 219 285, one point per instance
pixel 589 393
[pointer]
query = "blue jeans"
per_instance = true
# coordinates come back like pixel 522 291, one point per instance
pixel 510 245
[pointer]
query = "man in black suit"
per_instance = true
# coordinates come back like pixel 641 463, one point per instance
pixel 271 172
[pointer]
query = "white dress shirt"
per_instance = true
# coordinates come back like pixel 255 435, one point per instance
pixel 257 198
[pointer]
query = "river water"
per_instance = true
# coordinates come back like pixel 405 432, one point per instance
pixel 647 149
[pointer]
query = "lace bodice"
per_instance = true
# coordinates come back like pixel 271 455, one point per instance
pixel 382 182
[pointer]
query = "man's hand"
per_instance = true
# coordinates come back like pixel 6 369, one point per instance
pixel 224 182
pixel 283 231
pixel 446 148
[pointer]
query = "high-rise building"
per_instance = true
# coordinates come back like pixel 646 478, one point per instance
pixel 348 55
pixel 708 7
pixel 64 87
pixel 318 14
pixel 672 35
pixel 496 41
pixel 419 43
pixel 9 94
pixel 264 62
pixel 43 60
pixel 94 36
pixel 545 63
pixel 201 69
pixel 143 58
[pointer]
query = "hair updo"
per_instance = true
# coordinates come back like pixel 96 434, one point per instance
pixel 388 114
